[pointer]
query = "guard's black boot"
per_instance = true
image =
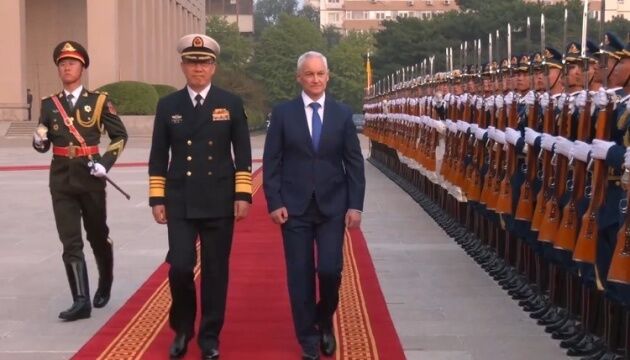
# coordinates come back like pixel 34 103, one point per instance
pixel 78 279
pixel 105 264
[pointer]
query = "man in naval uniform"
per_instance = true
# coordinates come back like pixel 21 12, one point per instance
pixel 72 122
pixel 199 190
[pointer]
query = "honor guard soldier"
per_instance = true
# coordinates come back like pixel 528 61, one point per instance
pixel 72 122
pixel 199 190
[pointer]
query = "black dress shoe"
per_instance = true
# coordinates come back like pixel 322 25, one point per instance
pixel 328 343
pixel 179 346
pixel 210 354
pixel 310 357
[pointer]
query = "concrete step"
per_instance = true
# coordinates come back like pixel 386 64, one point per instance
pixel 21 128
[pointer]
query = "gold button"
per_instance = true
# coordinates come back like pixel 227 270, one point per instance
pixel 115 153
pixel 189 142
pixel 618 183
pixel 210 173
pixel 210 142
pixel 188 173
pixel 210 157
pixel 189 158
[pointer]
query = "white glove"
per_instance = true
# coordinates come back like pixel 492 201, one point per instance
pixel 38 140
pixel 498 101
pixel 626 159
pixel 98 170
pixel 563 146
pixel 580 99
pixel 512 136
pixel 440 127
pixel 462 126
pixel 40 135
pixel 479 103
pixel 509 98
pixel 580 151
pixel 530 136
pixel 499 136
pixel 479 133
pixel 600 148
pixel 530 98
pixel 601 98
pixel 544 100
pixel 491 130
pixel 562 99
pixel 547 141
pixel 489 102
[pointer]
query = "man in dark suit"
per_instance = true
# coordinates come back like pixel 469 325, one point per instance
pixel 71 122
pixel 314 183
pixel 200 190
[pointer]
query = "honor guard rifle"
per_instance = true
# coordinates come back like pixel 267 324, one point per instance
pixel 544 174
pixel 525 207
pixel 504 202
pixel 586 245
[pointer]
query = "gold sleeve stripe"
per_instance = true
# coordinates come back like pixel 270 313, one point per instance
pixel 243 174
pixel 156 186
pixel 156 192
pixel 243 188
pixel 116 148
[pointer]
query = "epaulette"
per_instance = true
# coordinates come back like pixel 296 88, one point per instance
pixel 98 92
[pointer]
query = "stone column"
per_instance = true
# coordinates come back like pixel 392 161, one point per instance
pixel 102 42
pixel 13 72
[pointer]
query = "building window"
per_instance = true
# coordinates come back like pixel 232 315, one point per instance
pixel 333 17
pixel 333 1
pixel 402 14
pixel 357 15
pixel 380 15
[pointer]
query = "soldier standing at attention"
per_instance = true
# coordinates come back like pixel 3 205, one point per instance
pixel 199 190
pixel 72 122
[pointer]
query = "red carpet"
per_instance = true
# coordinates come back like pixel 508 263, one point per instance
pixel 258 321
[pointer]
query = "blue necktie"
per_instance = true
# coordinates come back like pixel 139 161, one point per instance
pixel 317 125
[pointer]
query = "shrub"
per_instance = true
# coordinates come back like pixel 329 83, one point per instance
pixel 132 97
pixel 163 90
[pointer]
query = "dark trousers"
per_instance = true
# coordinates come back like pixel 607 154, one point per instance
pixel 216 243
pixel 69 208
pixel 300 235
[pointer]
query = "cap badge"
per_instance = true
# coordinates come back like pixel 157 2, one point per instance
pixel 68 47
pixel 197 41
pixel 573 48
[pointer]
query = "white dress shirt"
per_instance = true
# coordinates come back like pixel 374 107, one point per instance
pixel 193 94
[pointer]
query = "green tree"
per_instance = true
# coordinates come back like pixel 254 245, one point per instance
pixel 310 13
pixel 268 12
pixel 331 35
pixel 236 50
pixel 277 51
pixel 347 66
pixel 408 41
pixel 236 55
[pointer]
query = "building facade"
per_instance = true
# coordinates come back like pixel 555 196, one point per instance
pixel 126 40
pixel 240 12
pixel 367 15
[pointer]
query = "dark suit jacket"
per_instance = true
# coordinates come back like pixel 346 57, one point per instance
pixel 293 171
pixel 200 179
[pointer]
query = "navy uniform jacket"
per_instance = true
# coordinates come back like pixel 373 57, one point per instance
pixel 200 179
pixel 294 172
pixel 93 114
